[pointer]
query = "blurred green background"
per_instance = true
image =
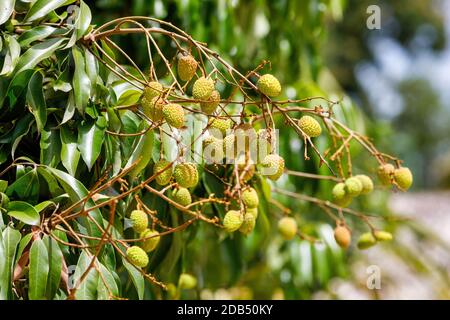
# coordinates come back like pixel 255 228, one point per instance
pixel 393 83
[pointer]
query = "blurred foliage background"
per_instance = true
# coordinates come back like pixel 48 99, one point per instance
pixel 392 85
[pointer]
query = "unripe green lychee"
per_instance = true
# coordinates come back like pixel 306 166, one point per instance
pixel 213 151
pixel 174 115
pixel 366 182
pixel 139 220
pixel 186 67
pixel 150 244
pixel 211 105
pixel 202 89
pixel 250 198
pixel 338 191
pixel 182 196
pixel 353 187
pixel 252 211
pixel 187 281
pixel 152 90
pixel 186 175
pixel 137 256
pixel 287 227
pixel 386 173
pixel 153 108
pixel 310 126
pixel 164 177
pixel 248 224
pixel 269 85
pixel 342 236
pixel 403 178
pixel 366 240
pixel 266 142
pixel 344 202
pixel 273 166
pixel 233 220
pixel 221 124
pixel 383 235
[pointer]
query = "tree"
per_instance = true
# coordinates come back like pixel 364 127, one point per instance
pixel 144 166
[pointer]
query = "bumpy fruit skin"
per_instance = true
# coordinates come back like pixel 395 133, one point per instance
pixel 366 182
pixel 182 196
pixel 342 236
pixel 383 235
pixel 211 105
pixel 232 220
pixel 266 142
pixel 252 211
pixel 229 146
pixel 338 191
pixel 310 126
pixel 213 151
pixel 366 240
pixel 139 220
pixel 153 108
pixel 151 243
pixel 203 89
pixel 186 175
pixel 154 89
pixel 187 281
pixel 164 177
pixel 220 124
pixel 186 67
pixel 344 202
pixel 269 85
pixel 137 256
pixel 403 178
pixel 287 227
pixel 386 173
pixel 353 187
pixel 248 224
pixel 274 166
pixel 174 115
pixel 250 198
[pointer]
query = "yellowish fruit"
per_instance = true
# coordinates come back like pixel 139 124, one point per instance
pixel 186 175
pixel 174 115
pixel 273 166
pixel 310 126
pixel 287 227
pixel 186 67
pixel 248 224
pixel 344 202
pixel 353 187
pixel 383 235
pixel 221 124
pixel 213 151
pixel 211 105
pixel 182 196
pixel 403 178
pixel 269 85
pixel 187 281
pixel 386 173
pixel 233 220
pixel 252 211
pixel 338 191
pixel 137 256
pixel 164 177
pixel 366 182
pixel 229 146
pixel 139 220
pixel 342 236
pixel 250 198
pixel 153 108
pixel 366 240
pixel 203 89
pixel 150 244
pixel 154 89
pixel 266 142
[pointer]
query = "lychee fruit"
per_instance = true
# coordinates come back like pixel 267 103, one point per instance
pixel 137 256
pixel 386 173
pixel 211 105
pixel 174 115
pixel 164 177
pixel 248 224
pixel 250 198
pixel 203 88
pixel 233 220
pixel 366 182
pixel 139 220
pixel 269 85
pixel 182 196
pixel 310 126
pixel 287 226
pixel 342 236
pixel 186 67
pixel 187 281
pixel 353 186
pixel 366 240
pixel 273 166
pixel 151 243
pixel 403 178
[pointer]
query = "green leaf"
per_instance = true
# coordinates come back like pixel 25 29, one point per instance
pixel 41 8
pixel 36 34
pixel 43 205
pixel 9 239
pixel 90 140
pixel 26 187
pixel 23 244
pixel 3 185
pixel 50 147
pixel 87 290
pixel 35 98
pixel 21 130
pixel 69 152
pixel 37 53
pixel 24 212
pixel 12 55
pixel 141 153
pixel 136 277
pixel 107 286
pixel 39 268
pixel 82 23
pixel 16 87
pixel 81 82
pixel 55 266
pixel 6 9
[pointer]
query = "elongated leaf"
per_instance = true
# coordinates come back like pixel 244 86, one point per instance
pixel 81 82
pixel 142 153
pixel 23 244
pixel 9 240
pixel 107 286
pixel 41 8
pixel 69 152
pixel 50 147
pixel 35 98
pixel 43 205
pixel 12 55
pixel 24 212
pixel 136 277
pixel 26 187
pixel 21 130
pixel 81 25
pixel 90 140
pixel 87 290
pixel 36 34
pixel 16 87
pixel 39 267
pixel 6 9
pixel 55 266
